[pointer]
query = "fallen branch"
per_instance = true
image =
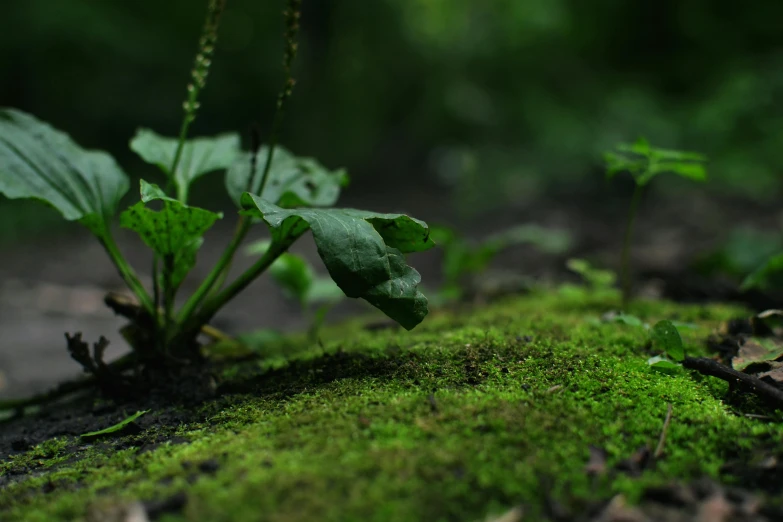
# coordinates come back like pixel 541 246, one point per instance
pixel 732 376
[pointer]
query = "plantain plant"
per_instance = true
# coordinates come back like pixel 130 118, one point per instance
pixel 364 252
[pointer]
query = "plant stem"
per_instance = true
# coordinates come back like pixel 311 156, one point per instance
pixel 626 256
pixel 127 273
pixel 201 292
pixel 215 303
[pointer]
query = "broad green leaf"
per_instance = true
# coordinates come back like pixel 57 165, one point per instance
pixel 362 251
pixel 761 277
pixel 174 232
pixel 665 337
pixel 292 181
pixel 114 429
pixel 39 162
pixel 199 156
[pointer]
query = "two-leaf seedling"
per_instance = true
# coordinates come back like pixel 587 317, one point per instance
pixel 665 337
pixel 599 283
pixel 644 162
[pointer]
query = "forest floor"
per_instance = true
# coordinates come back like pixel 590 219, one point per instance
pixel 528 408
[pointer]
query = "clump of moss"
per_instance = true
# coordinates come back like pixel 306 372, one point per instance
pixel 472 413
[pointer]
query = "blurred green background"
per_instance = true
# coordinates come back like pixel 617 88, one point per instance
pixel 478 104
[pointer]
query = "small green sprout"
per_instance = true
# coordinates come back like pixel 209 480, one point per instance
pixel 364 252
pixel 644 162
pixel 600 283
pixel 463 258
pixel 665 337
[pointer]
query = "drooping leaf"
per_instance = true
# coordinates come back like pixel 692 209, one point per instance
pixel 362 251
pixel 292 181
pixel 116 428
pixel 174 232
pixel 199 156
pixel 39 162
pixel 665 337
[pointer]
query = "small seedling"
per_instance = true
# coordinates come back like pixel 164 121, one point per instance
pixel 600 284
pixel 644 162
pixel 364 252
pixel 665 337
pixel 463 258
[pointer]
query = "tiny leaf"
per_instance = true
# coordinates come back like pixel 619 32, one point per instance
pixel 665 337
pixel 114 429
pixel 663 365
pixel 292 181
pixel 39 162
pixel 199 156
pixel 362 251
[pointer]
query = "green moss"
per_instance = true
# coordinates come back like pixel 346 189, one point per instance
pixel 472 413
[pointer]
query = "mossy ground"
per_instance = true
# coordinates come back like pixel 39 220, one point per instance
pixel 472 413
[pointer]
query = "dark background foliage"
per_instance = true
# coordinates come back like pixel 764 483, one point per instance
pixel 488 99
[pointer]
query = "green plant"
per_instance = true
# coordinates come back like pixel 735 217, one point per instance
pixel 665 337
pixel 644 162
pixel 463 258
pixel 600 284
pixel 364 252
